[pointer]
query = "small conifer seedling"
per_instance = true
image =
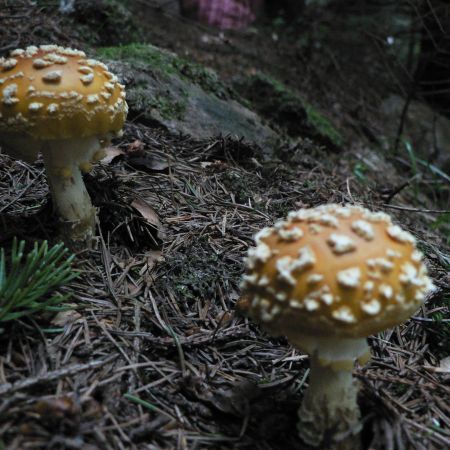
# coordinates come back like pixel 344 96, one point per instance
pixel 28 281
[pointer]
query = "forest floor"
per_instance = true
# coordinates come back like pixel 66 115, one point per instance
pixel 152 354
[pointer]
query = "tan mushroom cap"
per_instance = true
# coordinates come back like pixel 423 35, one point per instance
pixel 52 92
pixel 334 271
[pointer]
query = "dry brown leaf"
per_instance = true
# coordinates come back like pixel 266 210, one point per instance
pixel 111 154
pixel 135 146
pixel 193 330
pixel 65 317
pixel 56 408
pixel 223 318
pixel 147 162
pixel 147 212
pixel 153 257
pixel 216 165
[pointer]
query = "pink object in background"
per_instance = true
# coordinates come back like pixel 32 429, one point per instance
pixel 224 14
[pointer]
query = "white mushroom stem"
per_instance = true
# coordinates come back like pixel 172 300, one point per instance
pixel 62 159
pixel 329 414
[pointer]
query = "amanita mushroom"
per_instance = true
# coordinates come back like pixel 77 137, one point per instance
pixel 327 278
pixel 55 100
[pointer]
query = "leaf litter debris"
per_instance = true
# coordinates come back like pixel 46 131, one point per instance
pixel 152 352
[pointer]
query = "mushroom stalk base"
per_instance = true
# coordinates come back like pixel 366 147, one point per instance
pixel 329 414
pixel 62 159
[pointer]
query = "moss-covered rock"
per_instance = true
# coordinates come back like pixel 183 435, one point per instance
pixel 287 109
pixel 170 64
pixel 163 89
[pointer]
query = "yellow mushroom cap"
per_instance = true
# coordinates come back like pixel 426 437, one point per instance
pixel 52 92
pixel 334 271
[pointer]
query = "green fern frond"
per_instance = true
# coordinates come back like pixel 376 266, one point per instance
pixel 27 281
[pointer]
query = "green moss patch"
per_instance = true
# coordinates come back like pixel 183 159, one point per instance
pixel 287 109
pixel 168 106
pixel 322 124
pixel 169 64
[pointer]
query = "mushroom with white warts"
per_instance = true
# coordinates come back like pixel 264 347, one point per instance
pixel 327 278
pixel 53 100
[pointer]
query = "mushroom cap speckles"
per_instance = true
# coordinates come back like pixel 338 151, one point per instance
pixel 35 106
pixel 7 63
pixel 340 243
pixel 349 278
pixel 40 63
pixel 52 77
pixel 363 229
pixel 52 92
pixel 334 271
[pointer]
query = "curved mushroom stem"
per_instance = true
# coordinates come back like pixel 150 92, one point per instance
pixel 329 414
pixel 62 159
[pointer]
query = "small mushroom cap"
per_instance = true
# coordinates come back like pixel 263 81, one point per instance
pixel 52 92
pixel 334 271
